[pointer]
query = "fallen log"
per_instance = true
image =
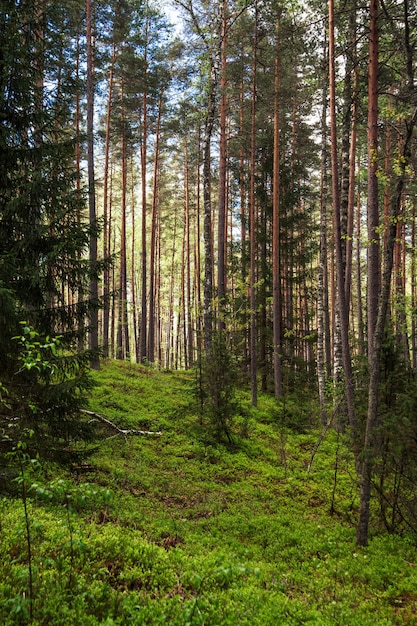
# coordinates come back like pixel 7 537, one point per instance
pixel 122 431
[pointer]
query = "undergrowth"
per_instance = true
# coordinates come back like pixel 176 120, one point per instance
pixel 175 528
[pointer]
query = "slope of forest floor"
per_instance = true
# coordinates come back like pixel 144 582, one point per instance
pixel 174 528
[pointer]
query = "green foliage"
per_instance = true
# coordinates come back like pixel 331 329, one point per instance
pixel 46 391
pixel 295 415
pixel 172 530
pixel 216 387
pixel 44 236
pixel 396 471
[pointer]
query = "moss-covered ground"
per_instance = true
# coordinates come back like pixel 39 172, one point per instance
pixel 175 528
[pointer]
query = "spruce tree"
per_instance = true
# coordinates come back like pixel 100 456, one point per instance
pixel 44 236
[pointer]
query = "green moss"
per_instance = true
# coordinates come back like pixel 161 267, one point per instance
pixel 201 534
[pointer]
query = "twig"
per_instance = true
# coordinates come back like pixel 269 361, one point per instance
pixel 121 431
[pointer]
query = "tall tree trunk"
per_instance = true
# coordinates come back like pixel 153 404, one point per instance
pixel 276 267
pixel 413 287
pixel 369 447
pixel 222 230
pixel 243 216
pixel 323 322
pixel 154 223
pixel 122 351
pixel 106 247
pixel 252 223
pixel 187 242
pixel 207 229
pixel 170 317
pixel 341 301
pixel 143 163
pixel 352 156
pixel 80 294
pixel 133 273
pixel 373 204
pixel 197 251
pixel 361 325
pixel 93 314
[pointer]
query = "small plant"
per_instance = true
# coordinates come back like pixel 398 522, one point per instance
pixel 25 464
pixel 216 388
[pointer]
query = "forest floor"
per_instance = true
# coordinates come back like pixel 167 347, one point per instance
pixel 174 528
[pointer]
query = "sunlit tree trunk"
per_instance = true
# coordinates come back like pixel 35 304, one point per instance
pixel 197 250
pixel 123 348
pixel 154 223
pixel 170 316
pixel 106 249
pixel 187 268
pixel 207 229
pixel 93 315
pixel 143 162
pixel 133 272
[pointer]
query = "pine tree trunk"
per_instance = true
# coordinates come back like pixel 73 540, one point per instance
pixel 106 250
pixel 352 157
pixel 322 273
pixel 143 163
pixel 187 241
pixel 170 318
pixel 413 288
pixel 276 267
pixel 243 218
pixel 93 313
pixel 252 225
pixel 373 203
pixel 133 288
pixel 122 348
pixel 154 223
pixel 207 230
pixel 369 448
pixel 341 302
pixel 361 325
pixel 221 233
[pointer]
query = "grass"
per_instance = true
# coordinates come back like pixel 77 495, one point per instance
pixel 178 529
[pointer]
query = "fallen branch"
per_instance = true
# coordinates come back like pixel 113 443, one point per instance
pixel 121 431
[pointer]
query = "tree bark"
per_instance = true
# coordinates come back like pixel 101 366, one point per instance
pixel 154 222
pixel 373 203
pixel 378 336
pixel 323 322
pixel 222 227
pixel 123 348
pixel 106 246
pixel 276 267
pixel 340 276
pixel 93 313
pixel 143 163
pixel 252 223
